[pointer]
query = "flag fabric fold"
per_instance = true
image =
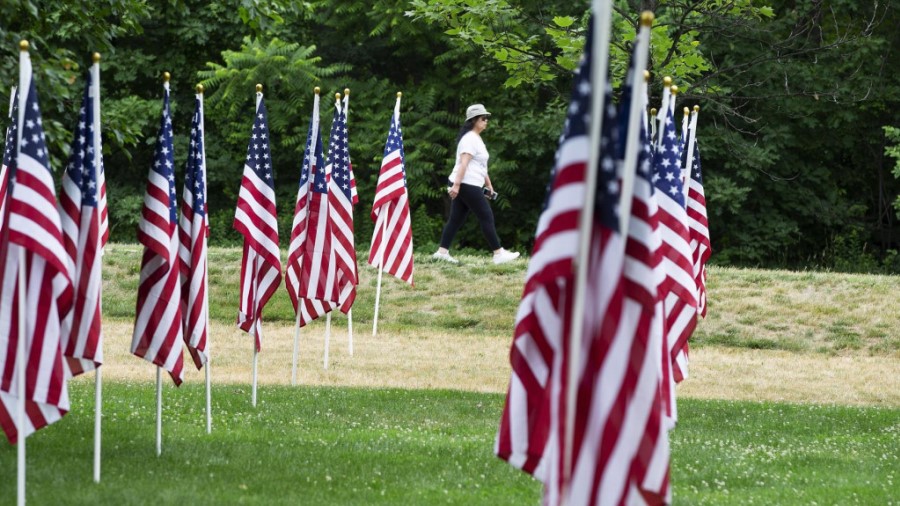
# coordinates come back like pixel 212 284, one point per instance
pixel 257 221
pixel 79 209
pixel 157 328
pixel 392 246
pixel 698 222
pixel 306 252
pixel 619 448
pixel 340 208
pixel 679 290
pixel 33 234
pixel 192 248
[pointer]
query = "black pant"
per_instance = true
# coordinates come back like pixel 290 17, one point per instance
pixel 470 198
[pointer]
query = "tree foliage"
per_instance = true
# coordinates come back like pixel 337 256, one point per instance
pixel 794 97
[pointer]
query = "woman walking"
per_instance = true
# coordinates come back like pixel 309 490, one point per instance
pixel 470 174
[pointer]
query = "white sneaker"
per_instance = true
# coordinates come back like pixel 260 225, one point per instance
pixel 505 256
pixel 445 257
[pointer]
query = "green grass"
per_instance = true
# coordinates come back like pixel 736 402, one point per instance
pixel 370 446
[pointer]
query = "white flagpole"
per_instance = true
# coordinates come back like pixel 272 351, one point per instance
pixel 636 111
pixel 20 365
pixel 205 262
pixel 383 218
pixel 98 375
pixel 350 332
pixel 327 339
pixel 158 411
pixel 602 10
pixel 24 77
pixel 255 359
pixel 689 145
pixel 257 323
pixel 296 343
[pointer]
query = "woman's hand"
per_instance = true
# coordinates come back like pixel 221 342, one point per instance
pixel 453 191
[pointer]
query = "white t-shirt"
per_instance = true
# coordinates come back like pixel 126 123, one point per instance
pixel 472 144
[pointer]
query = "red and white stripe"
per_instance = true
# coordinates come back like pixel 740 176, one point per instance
pixel 698 222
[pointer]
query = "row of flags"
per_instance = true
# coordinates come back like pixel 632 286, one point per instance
pixel 51 248
pixel 591 396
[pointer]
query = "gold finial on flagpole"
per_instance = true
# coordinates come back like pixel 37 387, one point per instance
pixel 346 91
pixel 647 18
pixel 23 45
pixel 316 90
pixel 259 88
pixel 674 89
pixel 166 77
pixel 646 76
pixel 200 89
pixel 667 81
pixel 399 94
pixel 653 111
pixel 687 111
pixel 337 96
pixel 95 57
pixel 696 108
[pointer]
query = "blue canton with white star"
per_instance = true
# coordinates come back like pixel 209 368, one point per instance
pixel 80 168
pixel 259 157
pixel 339 154
pixel 317 154
pixel 9 151
pixel 33 142
pixel 164 157
pixel 395 142
pixel 667 163
pixel 193 171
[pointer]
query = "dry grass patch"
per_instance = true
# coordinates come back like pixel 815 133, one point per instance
pixel 465 361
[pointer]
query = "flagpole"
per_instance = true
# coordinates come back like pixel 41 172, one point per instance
pixel 602 10
pixel 349 312
pixel 635 111
pixel 98 375
pixel 24 59
pixel 382 216
pixel 158 411
pixel 296 343
pixel 257 322
pixel 206 260
pixel 661 114
pixel 327 338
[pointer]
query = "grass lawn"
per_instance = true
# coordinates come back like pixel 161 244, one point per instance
pixel 323 445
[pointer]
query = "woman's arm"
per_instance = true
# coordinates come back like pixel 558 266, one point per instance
pixel 464 160
pixel 487 183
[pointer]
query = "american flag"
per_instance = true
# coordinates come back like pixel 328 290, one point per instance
pixel 392 236
pixel 698 225
pixel 82 338
pixel 157 327
pixel 257 221
pixel 679 288
pixel 308 308
pixel 33 234
pixel 192 252
pixel 340 207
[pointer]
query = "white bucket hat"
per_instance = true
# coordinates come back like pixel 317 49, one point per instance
pixel 476 110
